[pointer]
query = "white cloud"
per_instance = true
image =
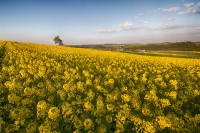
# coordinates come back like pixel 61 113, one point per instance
pixel 121 27
pixel 125 26
pixel 171 9
pixel 189 11
pixel 191 8
pixel 191 32
pixel 188 5
pixel 170 19
pixel 198 4
pixel 176 26
pixel 107 31
pixel 140 20
pixel 169 26
pixel 146 22
pixel 193 25
pixel 139 15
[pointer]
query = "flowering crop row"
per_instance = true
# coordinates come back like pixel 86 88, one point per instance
pixel 55 89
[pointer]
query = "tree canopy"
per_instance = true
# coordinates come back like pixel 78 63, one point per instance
pixel 58 40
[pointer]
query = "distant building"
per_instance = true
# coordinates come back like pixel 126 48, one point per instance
pixel 121 49
pixel 139 50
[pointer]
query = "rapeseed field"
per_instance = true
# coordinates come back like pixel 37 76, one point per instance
pixel 57 89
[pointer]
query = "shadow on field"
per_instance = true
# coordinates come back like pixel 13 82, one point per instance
pixel 2 54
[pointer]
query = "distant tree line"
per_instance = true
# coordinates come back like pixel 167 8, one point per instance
pixel 178 46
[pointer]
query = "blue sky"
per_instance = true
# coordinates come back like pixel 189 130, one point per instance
pixel 100 21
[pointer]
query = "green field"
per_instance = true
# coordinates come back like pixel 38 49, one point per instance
pixel 176 54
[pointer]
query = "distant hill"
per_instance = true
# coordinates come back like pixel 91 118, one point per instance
pixel 167 46
pixel 178 46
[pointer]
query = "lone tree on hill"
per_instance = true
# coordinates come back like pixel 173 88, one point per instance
pixel 58 40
